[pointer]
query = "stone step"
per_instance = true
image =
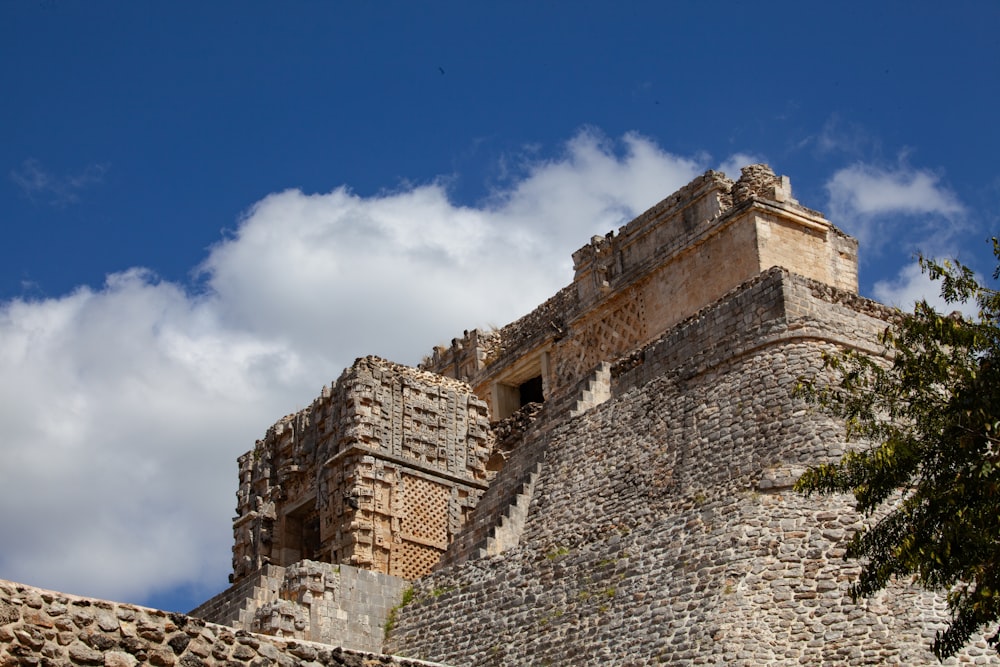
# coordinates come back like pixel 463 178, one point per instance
pixel 500 514
pixel 597 390
pixel 507 532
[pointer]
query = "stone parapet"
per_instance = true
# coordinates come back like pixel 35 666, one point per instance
pixel 39 627
pixel 334 604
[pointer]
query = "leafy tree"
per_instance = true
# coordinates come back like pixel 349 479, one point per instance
pixel 927 473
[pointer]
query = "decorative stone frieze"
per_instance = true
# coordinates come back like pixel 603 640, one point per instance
pixel 378 473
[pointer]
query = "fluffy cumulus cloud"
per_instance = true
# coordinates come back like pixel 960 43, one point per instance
pixel 912 285
pixel 338 275
pixel 121 408
pixel 125 406
pixel 902 205
pixel 906 209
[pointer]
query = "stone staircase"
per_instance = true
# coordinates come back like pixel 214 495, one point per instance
pixel 507 533
pixel 498 520
pixel 596 390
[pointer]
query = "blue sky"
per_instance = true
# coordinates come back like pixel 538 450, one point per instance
pixel 210 209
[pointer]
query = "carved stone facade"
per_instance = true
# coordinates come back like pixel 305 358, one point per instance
pixel 382 469
pixel 378 473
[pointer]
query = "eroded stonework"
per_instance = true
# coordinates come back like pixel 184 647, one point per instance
pixel 632 501
pixel 605 481
pixel 381 471
pixel 629 287
pixel 378 473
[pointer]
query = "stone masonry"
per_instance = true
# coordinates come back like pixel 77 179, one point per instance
pixel 39 627
pixel 662 527
pixel 631 286
pixel 334 604
pixel 605 481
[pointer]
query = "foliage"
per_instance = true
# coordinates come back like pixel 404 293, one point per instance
pixel 928 473
pixel 557 552
pixel 392 616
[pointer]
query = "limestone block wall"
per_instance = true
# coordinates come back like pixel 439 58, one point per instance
pixel 333 604
pixel 39 627
pixel 776 306
pixel 685 254
pixel 236 605
pixel 379 472
pixel 663 528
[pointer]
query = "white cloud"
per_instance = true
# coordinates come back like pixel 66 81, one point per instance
pixel 36 182
pixel 317 269
pixel 125 407
pixel 870 191
pixel 907 207
pixel 122 409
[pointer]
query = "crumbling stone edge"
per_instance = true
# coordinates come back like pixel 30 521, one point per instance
pixel 40 627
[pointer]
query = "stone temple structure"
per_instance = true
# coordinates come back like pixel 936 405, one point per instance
pixel 380 472
pixel 606 480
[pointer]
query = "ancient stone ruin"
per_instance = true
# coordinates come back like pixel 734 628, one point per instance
pixel 379 472
pixel 606 480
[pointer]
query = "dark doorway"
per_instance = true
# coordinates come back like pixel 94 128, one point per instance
pixel 302 540
pixel 531 391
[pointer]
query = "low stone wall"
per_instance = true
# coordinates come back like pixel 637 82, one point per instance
pixel 332 604
pixel 39 627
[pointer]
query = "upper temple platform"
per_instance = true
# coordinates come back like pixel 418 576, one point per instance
pixel 630 286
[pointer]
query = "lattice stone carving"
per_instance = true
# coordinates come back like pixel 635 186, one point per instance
pixel 602 337
pixel 425 501
pixel 412 561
